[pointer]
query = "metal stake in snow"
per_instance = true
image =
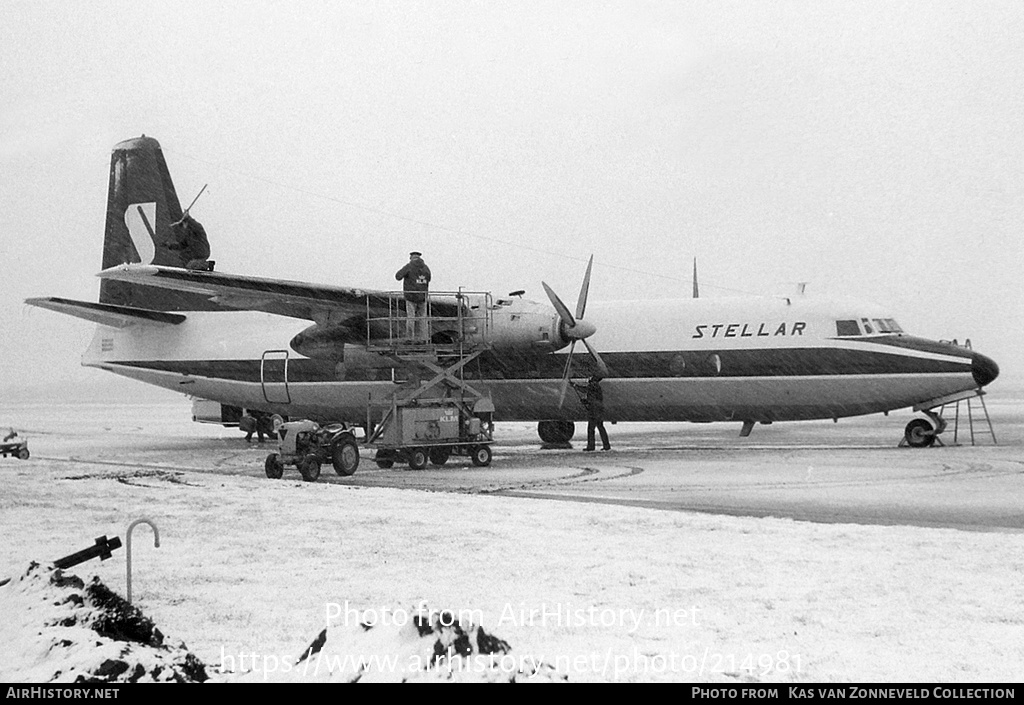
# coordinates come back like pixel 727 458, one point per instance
pixel 128 540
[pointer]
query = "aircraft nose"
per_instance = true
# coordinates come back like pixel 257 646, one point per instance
pixel 984 369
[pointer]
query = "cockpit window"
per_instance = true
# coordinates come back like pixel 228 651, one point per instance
pixel 887 325
pixel 870 326
pixel 847 328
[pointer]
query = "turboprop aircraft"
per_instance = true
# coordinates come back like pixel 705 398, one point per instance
pixel 314 351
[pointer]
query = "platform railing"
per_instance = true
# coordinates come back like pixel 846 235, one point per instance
pixel 455 321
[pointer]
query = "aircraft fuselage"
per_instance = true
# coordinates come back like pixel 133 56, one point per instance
pixel 687 360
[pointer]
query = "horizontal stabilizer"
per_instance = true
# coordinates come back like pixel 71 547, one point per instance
pixel 105 314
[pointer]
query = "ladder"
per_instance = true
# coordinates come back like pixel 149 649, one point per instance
pixel 980 397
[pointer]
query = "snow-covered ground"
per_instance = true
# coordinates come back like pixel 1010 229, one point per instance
pixel 250 571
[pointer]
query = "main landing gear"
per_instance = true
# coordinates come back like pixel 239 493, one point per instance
pixel 556 432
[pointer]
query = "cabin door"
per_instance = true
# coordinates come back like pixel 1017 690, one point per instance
pixel 274 375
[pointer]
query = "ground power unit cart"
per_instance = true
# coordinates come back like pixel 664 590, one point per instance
pixel 433 429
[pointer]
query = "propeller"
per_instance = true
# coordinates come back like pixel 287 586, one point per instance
pixel 575 329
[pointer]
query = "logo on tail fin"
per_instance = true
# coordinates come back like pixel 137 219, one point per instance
pixel 140 218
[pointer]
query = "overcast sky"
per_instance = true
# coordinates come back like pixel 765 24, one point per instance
pixel 872 149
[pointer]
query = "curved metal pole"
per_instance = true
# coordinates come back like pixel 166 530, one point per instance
pixel 128 549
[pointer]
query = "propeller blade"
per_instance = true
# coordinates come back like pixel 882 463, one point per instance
pixel 581 303
pixel 597 358
pixel 563 388
pixel 565 376
pixel 563 310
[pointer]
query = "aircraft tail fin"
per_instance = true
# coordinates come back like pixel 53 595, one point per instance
pixel 141 206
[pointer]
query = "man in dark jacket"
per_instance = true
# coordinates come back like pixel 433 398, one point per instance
pixel 415 278
pixel 593 398
pixel 258 422
pixel 189 238
pixel 247 424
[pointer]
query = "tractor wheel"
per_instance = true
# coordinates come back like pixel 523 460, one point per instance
pixel 345 456
pixel 418 458
pixel 481 456
pixel 385 459
pixel 274 466
pixel 23 454
pixel 439 455
pixel 309 468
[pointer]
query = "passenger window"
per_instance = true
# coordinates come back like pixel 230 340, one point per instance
pixel 867 326
pixel 847 328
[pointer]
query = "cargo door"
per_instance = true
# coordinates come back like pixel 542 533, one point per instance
pixel 274 374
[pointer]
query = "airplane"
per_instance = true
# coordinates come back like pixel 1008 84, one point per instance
pixel 320 352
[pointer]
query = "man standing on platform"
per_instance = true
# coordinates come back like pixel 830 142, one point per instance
pixel 415 277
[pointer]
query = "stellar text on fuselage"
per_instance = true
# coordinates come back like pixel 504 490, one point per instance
pixel 747 330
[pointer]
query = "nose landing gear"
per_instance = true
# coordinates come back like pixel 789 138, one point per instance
pixel 921 433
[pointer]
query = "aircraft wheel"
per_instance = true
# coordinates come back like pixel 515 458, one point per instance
pixel 556 431
pixel 481 456
pixel 439 455
pixel 23 454
pixel 919 433
pixel 345 456
pixel 418 458
pixel 274 466
pixel 309 468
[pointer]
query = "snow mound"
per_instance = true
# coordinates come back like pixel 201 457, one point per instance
pixel 430 646
pixel 55 629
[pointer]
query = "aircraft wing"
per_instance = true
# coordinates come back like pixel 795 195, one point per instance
pixel 314 302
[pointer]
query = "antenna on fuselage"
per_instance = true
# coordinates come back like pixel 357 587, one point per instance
pixel 801 290
pixel 696 293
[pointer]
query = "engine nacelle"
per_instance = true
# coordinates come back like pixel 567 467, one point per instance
pixel 325 342
pixel 525 326
pixel 515 325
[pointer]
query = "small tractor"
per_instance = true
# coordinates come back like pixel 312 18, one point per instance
pixel 14 445
pixel 307 445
